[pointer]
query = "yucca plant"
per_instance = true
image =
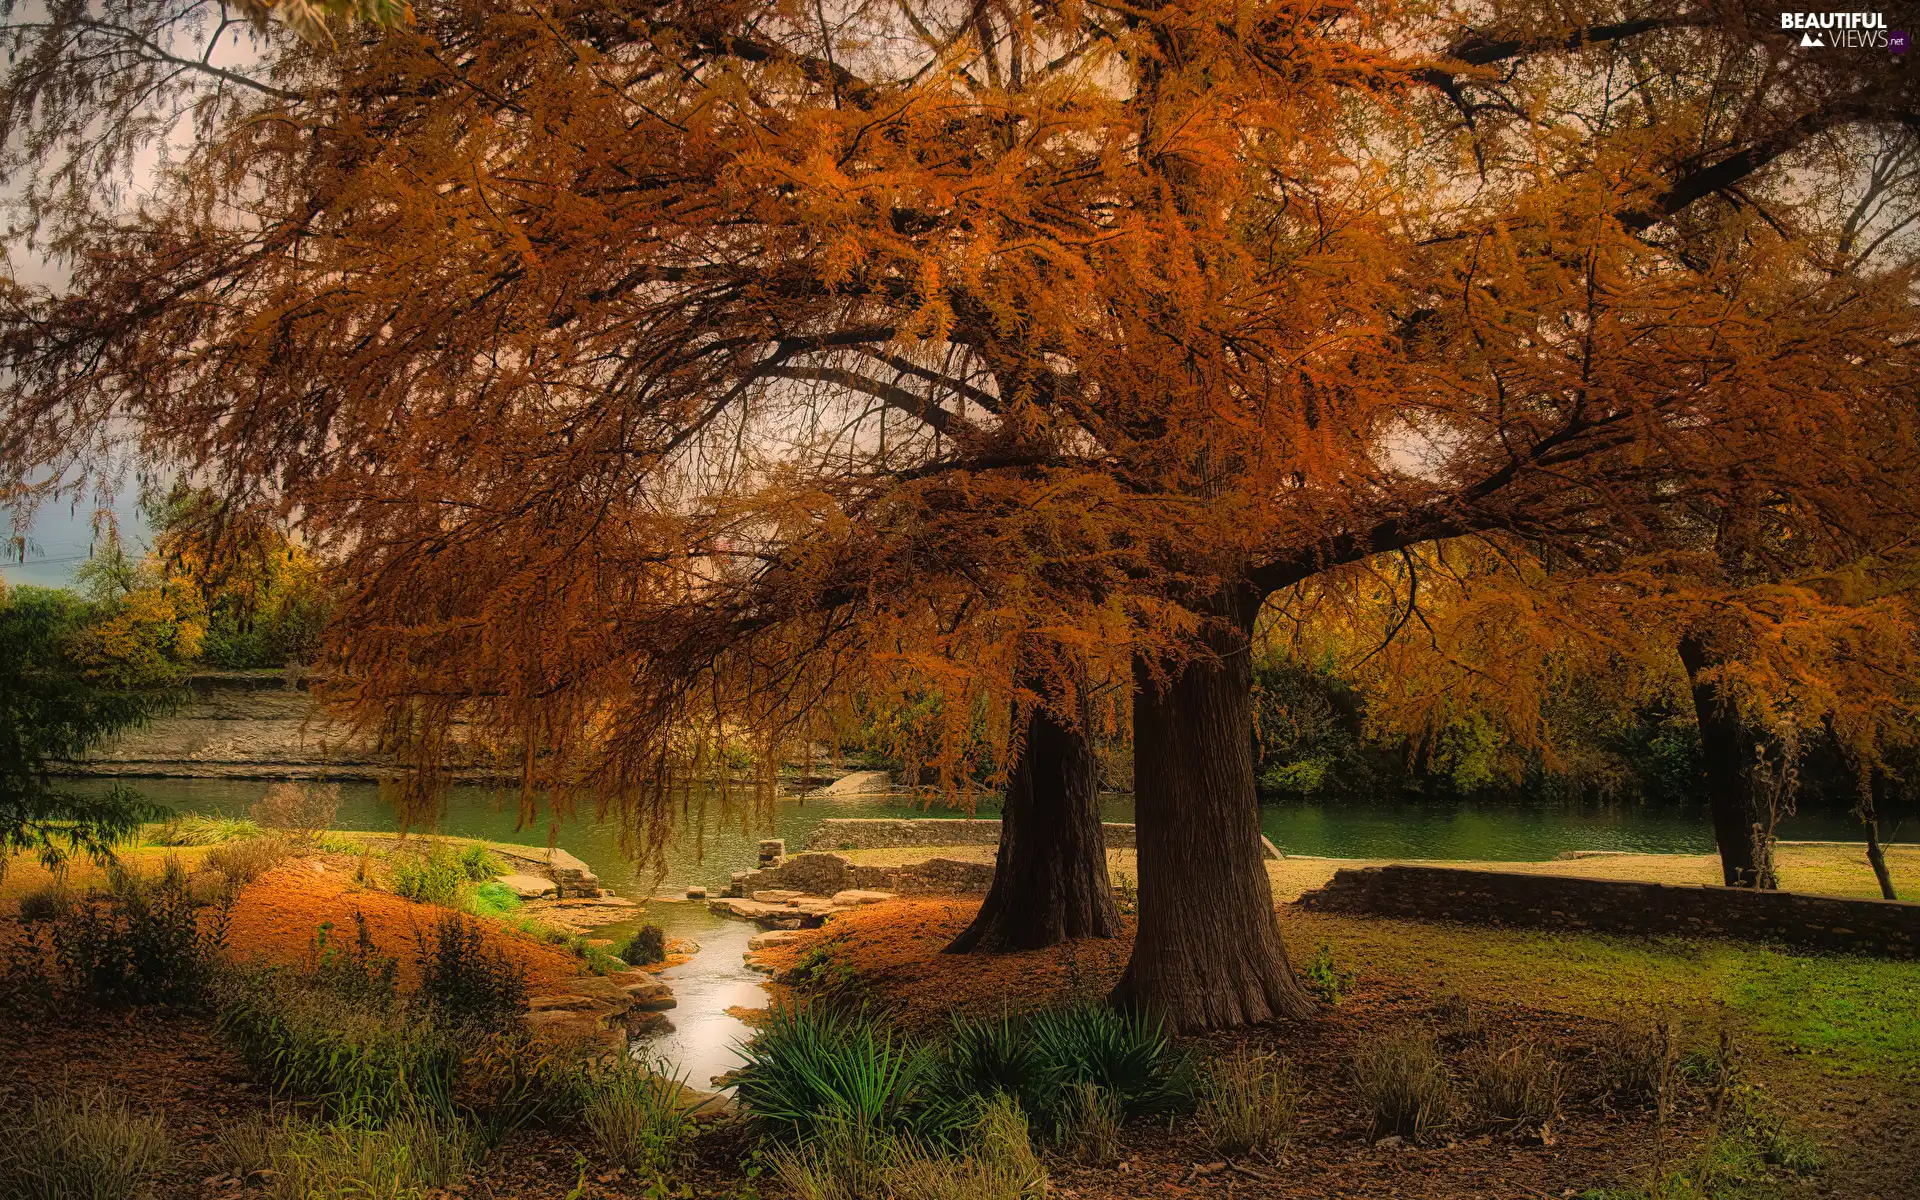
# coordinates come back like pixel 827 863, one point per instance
pixel 1128 1055
pixel 811 1063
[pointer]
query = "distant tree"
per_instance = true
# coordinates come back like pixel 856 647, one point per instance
pixel 54 709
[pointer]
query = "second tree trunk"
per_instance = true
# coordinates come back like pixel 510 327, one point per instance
pixel 1050 876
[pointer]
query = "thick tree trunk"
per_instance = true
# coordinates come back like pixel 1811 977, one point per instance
pixel 1208 954
pixel 1050 877
pixel 1722 745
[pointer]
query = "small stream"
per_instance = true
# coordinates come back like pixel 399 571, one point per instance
pixel 719 838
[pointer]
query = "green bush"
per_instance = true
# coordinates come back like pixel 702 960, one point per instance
pixel 80 1148
pixel 247 859
pixel 1248 1104
pixel 1325 979
pixel 811 1066
pixel 480 864
pixel 193 829
pixel 143 941
pixel 435 877
pixel 647 945
pixel 639 1119
pixel 357 1060
pixel 464 980
pixel 1403 1085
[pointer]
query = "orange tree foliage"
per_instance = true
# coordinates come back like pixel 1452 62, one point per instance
pixel 678 364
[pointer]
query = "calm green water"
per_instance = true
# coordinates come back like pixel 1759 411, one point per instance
pixel 718 839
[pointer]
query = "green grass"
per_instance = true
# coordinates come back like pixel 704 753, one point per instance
pixel 80 1148
pixel 194 829
pixel 492 899
pixel 1858 1015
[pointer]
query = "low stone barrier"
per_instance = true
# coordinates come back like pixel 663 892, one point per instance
pixel 825 874
pixel 887 833
pixel 1889 928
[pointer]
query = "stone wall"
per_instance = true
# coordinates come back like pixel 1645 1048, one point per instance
pixel 1882 927
pixel 824 874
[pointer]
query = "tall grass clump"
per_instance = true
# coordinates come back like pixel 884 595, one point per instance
pixel 1515 1083
pixel 813 1067
pixel 512 1080
pixel 1088 1123
pixel 639 1119
pixel 45 903
pixel 1248 1104
pixel 80 1147
pixel 492 899
pixel 408 1158
pixel 1403 1085
pixel 194 829
pixel 144 940
pixel 435 877
pixel 246 859
pixel 358 1060
pixel 464 980
pixel 846 1160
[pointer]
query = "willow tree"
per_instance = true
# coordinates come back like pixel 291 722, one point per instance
pixel 768 338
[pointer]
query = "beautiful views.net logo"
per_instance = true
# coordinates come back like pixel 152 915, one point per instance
pixel 1849 30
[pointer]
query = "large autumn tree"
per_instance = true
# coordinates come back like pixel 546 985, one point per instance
pixel 673 359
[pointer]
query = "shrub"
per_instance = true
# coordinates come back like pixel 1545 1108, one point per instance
pixel 464 980
pixel 247 859
pixel 480 864
pixel 1325 979
pixel 639 1119
pixel 340 843
pixel 1403 1085
pixel 1248 1104
pixel 435 877
pixel 408 1158
pixel 360 974
pixel 67 1147
pixel 45 903
pixel 1089 1123
pixel 305 810
pixel 811 1067
pixel 193 829
pixel 143 941
pixel 511 1080
pixel 647 945
pixel 358 1061
pixel 995 1057
pixel 1515 1083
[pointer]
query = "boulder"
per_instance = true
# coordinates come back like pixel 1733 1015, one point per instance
pixel 652 996
pixel 778 896
pixel 648 1024
pixel 773 937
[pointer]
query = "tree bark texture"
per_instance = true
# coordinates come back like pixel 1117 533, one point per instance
pixel 1870 805
pixel 1208 953
pixel 1050 876
pixel 1722 746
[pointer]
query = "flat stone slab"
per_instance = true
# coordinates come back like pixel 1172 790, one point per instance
pixel 856 896
pixel 527 887
pixel 772 937
pixel 778 896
